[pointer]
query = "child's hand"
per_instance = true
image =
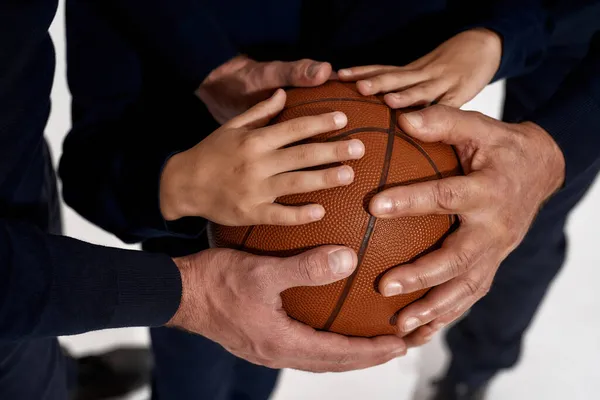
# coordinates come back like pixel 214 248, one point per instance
pixel 452 74
pixel 234 175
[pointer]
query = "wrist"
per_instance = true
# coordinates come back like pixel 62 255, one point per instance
pixel 552 158
pixel 177 320
pixel 491 43
pixel 172 188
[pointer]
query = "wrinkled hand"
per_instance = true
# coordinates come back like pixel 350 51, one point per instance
pixel 234 176
pixel 233 298
pixel 452 74
pixel 240 83
pixel 510 171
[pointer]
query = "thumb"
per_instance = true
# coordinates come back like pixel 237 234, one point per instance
pixel 302 73
pixel 440 123
pixel 316 267
pixel 260 114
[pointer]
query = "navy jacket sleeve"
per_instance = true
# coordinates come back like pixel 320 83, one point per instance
pixel 124 129
pixel 523 26
pixel 183 35
pixel 54 285
pixel 572 116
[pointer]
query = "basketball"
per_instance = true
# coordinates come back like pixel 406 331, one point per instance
pixel 354 306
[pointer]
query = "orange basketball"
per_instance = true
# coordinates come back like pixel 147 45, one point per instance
pixel 354 306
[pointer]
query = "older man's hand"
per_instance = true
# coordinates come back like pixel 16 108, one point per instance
pixel 510 171
pixel 241 82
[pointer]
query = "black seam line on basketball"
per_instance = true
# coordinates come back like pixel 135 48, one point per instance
pixel 429 159
pixel 356 130
pixel 335 99
pixel 370 225
pixel 246 236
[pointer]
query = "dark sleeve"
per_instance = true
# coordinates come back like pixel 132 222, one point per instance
pixel 523 25
pixel 572 116
pixel 183 35
pixel 54 285
pixel 126 122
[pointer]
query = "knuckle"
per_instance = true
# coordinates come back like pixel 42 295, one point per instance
pixel 460 261
pixel 251 144
pixel 259 275
pixel 484 290
pixel 298 125
pixel 312 268
pixel 344 359
pixel 470 287
pixel 444 195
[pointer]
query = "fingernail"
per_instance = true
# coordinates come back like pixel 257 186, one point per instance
pixel 344 72
pixel 367 84
pixel 317 213
pixel 382 205
pixel 276 93
pixel 340 262
pixel 311 72
pixel 345 175
pixel 356 148
pixel 411 324
pixel 415 119
pixel 427 338
pixel 392 289
pixel 340 119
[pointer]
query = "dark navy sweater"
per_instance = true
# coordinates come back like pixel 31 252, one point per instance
pixel 132 67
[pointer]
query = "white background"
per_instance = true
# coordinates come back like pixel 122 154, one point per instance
pixel 560 360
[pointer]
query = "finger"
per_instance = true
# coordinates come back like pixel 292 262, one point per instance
pixel 390 82
pixel 422 94
pixel 419 337
pixel 315 154
pixel 341 353
pixel 277 214
pixel 453 99
pixel 364 72
pixel 459 253
pixel 293 130
pixel 316 267
pixel 443 299
pixel 260 114
pixel 452 195
pixel 301 73
pixel 310 181
pixel 450 125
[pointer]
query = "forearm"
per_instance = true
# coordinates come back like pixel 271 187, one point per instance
pixel 53 285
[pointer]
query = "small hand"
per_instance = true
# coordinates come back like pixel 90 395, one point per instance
pixel 240 83
pixel 511 170
pixel 452 74
pixel 234 175
pixel 233 298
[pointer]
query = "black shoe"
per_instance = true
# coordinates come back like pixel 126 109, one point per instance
pixel 447 389
pixel 112 375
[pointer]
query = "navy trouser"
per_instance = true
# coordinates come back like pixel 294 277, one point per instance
pixel 490 337
pixel 195 368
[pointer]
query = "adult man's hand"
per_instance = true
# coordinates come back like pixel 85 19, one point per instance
pixel 233 298
pixel 242 82
pixel 510 170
